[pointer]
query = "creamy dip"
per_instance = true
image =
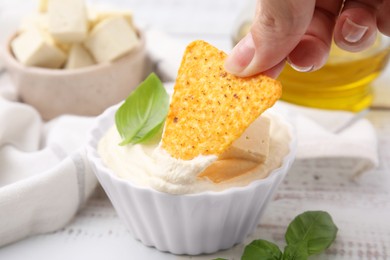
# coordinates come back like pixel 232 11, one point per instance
pixel 149 165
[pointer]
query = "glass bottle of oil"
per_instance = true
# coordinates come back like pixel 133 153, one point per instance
pixel 344 83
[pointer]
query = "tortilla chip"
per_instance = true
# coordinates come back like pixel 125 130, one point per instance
pixel 211 108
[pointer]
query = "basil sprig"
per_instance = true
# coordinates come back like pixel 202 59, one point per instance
pixel 143 113
pixel 309 233
pixel 314 229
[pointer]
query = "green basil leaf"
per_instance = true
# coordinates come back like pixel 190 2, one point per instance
pixel 315 228
pixel 143 137
pixel 296 252
pixel 219 258
pixel 262 249
pixel 143 113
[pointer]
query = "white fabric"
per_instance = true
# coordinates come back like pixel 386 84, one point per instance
pixel 335 135
pixel 44 175
pixel 45 178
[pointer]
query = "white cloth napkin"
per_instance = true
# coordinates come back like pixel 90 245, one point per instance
pixel 333 136
pixel 44 175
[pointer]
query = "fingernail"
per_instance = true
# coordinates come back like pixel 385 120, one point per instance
pixel 299 68
pixel 241 55
pixel 353 32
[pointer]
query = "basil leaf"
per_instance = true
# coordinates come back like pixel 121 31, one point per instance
pixel 315 228
pixel 296 252
pixel 143 113
pixel 262 249
pixel 142 137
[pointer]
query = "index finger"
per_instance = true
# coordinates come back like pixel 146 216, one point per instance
pixel 277 28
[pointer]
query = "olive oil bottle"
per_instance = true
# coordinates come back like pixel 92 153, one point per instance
pixel 344 83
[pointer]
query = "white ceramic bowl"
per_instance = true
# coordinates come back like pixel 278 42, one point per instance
pixel 186 224
pixel 84 91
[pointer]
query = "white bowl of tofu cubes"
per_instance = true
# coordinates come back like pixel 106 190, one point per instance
pixel 72 59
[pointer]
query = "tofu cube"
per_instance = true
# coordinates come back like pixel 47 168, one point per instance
pixel 65 47
pixel 224 170
pixel 95 17
pixel 78 57
pixel 35 21
pixel 68 21
pixel 253 145
pixel 244 154
pixel 111 39
pixel 36 48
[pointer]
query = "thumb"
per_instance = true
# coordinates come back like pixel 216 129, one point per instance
pixel 277 28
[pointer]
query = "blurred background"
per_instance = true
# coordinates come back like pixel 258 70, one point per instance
pixel 186 20
pixel 219 22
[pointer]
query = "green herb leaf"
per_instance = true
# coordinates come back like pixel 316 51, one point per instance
pixel 309 233
pixel 143 113
pixel 296 252
pixel 262 249
pixel 315 229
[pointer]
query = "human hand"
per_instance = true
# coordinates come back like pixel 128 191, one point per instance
pixel 300 31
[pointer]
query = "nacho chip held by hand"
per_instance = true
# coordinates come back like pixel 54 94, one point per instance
pixel 211 108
